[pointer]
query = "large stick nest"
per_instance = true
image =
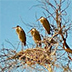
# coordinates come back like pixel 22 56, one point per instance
pixel 33 56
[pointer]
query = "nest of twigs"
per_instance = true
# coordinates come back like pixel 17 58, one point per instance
pixel 33 56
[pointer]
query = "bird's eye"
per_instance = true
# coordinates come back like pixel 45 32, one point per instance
pixel 17 25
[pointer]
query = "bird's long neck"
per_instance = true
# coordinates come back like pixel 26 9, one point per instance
pixel 17 31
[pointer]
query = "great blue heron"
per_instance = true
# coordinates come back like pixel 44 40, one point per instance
pixel 45 24
pixel 36 36
pixel 21 34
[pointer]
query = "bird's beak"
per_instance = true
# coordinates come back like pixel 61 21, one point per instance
pixel 38 19
pixel 14 27
pixel 29 31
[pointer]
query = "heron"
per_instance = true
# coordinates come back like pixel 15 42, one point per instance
pixel 36 36
pixel 45 23
pixel 21 34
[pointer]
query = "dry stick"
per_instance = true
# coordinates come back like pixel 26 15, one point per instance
pixel 50 15
pixel 17 46
pixel 55 2
pixel 25 23
pixel 49 12
pixel 10 43
pixel 69 57
pixel 66 45
pixel 63 1
pixel 51 5
pixel 54 50
pixel 65 8
pixel 61 55
pixel 37 68
pixel 49 68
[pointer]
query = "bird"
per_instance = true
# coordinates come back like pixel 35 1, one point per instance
pixel 45 23
pixel 21 34
pixel 36 36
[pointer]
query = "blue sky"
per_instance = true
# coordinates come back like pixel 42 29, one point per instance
pixel 10 12
pixel 10 17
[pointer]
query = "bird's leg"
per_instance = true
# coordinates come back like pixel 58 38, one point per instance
pixel 36 45
pixel 40 46
pixel 22 46
pixel 45 33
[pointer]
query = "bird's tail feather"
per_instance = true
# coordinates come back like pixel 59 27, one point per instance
pixel 24 43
